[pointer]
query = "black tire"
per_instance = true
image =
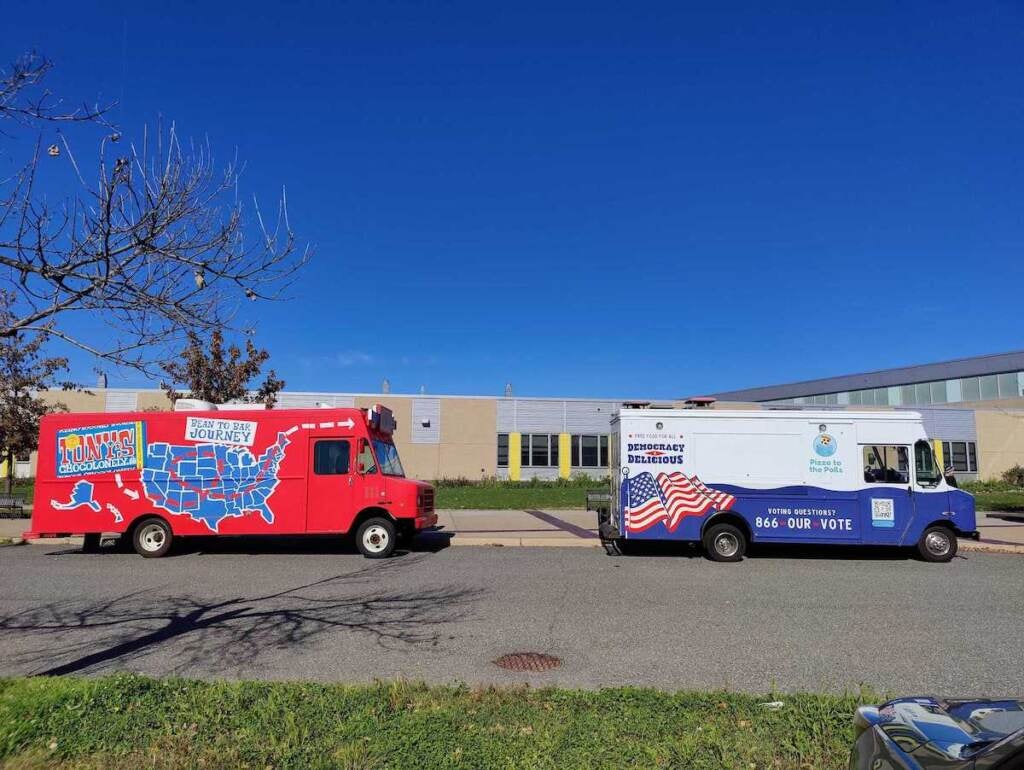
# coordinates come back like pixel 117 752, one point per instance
pixel 376 538
pixel 724 542
pixel 613 547
pixel 152 538
pixel 937 544
pixel 91 543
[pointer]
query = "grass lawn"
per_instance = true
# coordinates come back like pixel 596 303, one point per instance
pixel 513 495
pixel 129 722
pixel 23 488
pixel 996 496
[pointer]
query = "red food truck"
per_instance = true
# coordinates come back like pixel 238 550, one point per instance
pixel 208 470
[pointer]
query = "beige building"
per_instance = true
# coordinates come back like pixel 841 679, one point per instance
pixel 973 408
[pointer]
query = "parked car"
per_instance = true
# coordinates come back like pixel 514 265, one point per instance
pixel 926 733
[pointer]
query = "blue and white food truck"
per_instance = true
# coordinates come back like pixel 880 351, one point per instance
pixel 727 478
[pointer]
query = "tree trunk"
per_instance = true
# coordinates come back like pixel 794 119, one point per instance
pixel 10 471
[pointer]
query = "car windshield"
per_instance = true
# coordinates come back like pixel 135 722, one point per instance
pixel 387 457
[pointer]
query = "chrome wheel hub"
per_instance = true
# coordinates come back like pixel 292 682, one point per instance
pixel 937 543
pixel 727 545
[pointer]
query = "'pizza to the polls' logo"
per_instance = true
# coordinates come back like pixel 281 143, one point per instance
pixel 824 444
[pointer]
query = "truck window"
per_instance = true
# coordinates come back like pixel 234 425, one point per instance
pixel 927 470
pixel 387 455
pixel 886 464
pixel 366 462
pixel 330 457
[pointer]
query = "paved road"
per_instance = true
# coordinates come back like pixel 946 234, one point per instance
pixel 311 610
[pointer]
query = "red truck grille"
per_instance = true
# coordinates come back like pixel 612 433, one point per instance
pixel 428 501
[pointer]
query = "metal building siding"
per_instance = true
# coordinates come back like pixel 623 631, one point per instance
pixel 537 416
pixel 506 415
pixel 555 416
pixel 590 416
pixel 426 421
pixel 121 401
pixel 949 424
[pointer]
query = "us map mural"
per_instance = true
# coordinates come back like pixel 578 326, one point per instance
pixel 217 477
pixel 211 481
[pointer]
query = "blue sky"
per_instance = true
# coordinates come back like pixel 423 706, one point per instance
pixel 636 200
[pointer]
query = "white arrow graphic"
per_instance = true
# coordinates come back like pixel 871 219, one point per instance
pixel 346 423
pixel 131 493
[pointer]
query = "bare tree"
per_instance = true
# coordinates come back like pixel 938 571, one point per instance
pixel 152 241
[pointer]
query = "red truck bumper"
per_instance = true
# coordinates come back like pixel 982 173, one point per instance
pixel 426 521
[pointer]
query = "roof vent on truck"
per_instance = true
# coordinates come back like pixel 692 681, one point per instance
pixel 699 402
pixel 381 419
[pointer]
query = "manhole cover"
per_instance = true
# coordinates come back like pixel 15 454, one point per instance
pixel 528 661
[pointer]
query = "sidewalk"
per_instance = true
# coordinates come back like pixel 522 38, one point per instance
pixel 1000 532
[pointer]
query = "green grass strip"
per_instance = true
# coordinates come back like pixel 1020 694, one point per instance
pixel 128 721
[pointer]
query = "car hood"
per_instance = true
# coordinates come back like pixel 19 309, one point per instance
pixel 955 728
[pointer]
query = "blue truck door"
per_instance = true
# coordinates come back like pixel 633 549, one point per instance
pixel 885 500
pixel 930 499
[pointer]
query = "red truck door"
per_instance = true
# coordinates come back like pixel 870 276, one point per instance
pixel 332 477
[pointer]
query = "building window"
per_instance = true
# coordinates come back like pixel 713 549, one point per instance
pixel 539 450
pixel 960 456
pixel 989 387
pixel 502 450
pixel 970 389
pixel 589 451
pixel 886 464
pixel 1008 385
pixel 330 458
pixel 539 443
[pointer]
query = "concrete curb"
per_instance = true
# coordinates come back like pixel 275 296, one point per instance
pixel 974 546
pixel 527 542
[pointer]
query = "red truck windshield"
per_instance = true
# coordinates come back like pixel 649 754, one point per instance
pixel 387 457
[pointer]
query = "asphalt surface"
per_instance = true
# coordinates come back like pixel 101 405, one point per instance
pixel 309 609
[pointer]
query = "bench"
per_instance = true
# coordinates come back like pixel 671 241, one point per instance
pixel 12 507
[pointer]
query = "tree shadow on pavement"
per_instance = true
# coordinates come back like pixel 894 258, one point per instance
pixel 232 634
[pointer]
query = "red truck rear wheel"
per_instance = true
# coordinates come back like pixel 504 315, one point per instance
pixel 152 538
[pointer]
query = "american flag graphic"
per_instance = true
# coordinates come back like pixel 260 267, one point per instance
pixel 669 498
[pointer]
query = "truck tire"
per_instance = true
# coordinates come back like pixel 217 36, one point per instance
pixel 152 538
pixel 376 538
pixel 937 544
pixel 724 542
pixel 614 547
